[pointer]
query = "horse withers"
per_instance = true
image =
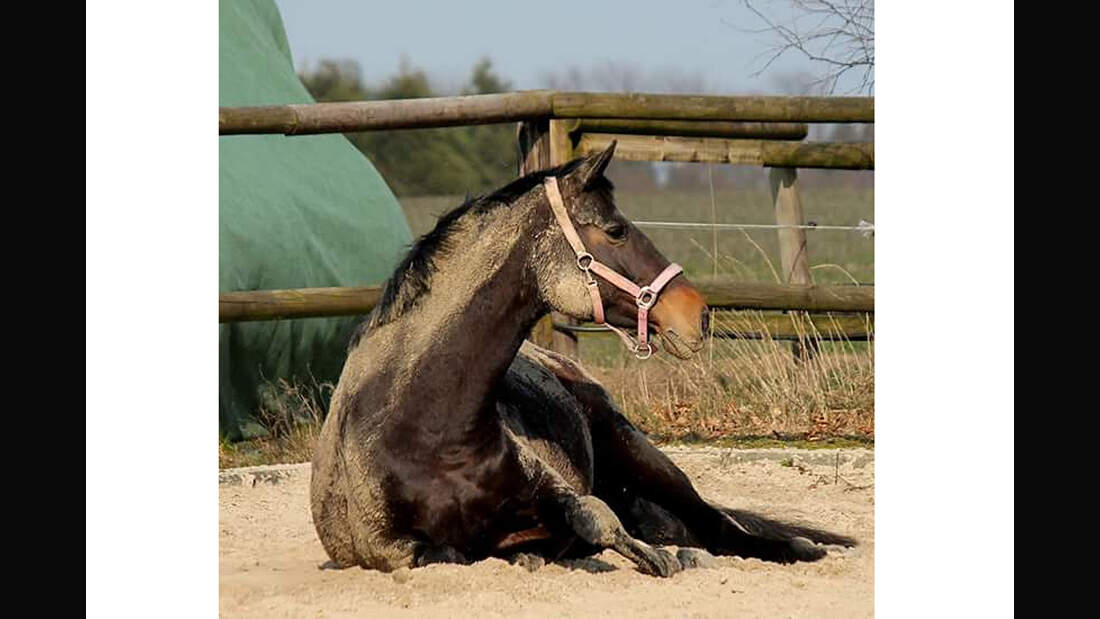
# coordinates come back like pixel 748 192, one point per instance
pixel 451 439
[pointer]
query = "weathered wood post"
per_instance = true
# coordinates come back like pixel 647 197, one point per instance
pixel 792 241
pixel 545 144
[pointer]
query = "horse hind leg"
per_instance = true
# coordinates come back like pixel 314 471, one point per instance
pixel 649 521
pixel 652 523
pixel 631 468
pixel 632 463
pixel 631 457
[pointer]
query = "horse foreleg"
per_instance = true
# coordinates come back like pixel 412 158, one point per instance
pixel 594 523
pixel 569 515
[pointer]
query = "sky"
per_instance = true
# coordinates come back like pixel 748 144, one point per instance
pixel 702 44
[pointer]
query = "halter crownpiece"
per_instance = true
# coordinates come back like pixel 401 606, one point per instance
pixel 644 296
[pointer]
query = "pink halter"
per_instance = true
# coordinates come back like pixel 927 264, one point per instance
pixel 645 296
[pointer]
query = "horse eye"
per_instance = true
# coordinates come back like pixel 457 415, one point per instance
pixel 617 232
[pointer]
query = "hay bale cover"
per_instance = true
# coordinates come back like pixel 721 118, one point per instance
pixel 294 212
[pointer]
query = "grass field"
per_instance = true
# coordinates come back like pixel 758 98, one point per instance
pixel 736 391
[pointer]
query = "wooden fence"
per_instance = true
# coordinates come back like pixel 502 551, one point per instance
pixel 342 117
pixel 555 127
pixel 349 301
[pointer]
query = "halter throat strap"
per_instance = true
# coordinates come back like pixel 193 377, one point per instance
pixel 644 296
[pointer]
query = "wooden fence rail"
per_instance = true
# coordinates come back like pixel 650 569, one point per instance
pixel 765 108
pixel 796 326
pixel 835 155
pixel 314 302
pixel 700 128
pixel 296 303
pixel 342 117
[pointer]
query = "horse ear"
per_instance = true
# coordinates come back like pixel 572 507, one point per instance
pixel 594 166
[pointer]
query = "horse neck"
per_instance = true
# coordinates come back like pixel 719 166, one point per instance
pixel 460 338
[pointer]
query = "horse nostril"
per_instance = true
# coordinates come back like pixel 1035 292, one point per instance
pixel 706 320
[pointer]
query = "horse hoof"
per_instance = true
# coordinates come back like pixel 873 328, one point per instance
pixel 694 558
pixel 661 563
pixel 805 550
pixel 439 554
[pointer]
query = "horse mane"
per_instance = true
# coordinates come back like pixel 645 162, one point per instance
pixel 412 277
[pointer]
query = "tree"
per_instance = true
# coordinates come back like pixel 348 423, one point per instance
pixel 335 80
pixel 408 83
pixel 452 160
pixel 838 35
pixel 484 81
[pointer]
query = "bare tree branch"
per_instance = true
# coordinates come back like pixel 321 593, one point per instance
pixel 838 34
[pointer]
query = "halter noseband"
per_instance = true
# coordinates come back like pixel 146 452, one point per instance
pixel 645 296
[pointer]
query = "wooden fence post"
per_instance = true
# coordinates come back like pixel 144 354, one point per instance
pixel 792 241
pixel 545 144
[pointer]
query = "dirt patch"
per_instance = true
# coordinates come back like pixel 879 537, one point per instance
pixel 269 553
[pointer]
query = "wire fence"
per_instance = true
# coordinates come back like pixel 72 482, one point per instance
pixel 866 228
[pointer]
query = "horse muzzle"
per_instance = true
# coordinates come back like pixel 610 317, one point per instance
pixel 681 319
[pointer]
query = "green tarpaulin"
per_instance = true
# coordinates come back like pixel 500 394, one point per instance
pixel 295 212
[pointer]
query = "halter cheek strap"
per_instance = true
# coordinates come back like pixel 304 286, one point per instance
pixel 644 296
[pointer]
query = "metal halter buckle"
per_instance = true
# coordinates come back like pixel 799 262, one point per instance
pixel 648 351
pixel 581 261
pixel 646 297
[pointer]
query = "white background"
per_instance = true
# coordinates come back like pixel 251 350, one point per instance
pixel 944 393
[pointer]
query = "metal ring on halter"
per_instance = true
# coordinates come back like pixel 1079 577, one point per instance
pixel 586 265
pixel 648 351
pixel 642 301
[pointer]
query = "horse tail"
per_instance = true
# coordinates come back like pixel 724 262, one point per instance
pixel 773 529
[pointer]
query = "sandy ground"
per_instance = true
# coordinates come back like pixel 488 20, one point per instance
pixel 269 554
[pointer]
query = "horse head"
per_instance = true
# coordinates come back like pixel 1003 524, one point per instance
pixel 678 312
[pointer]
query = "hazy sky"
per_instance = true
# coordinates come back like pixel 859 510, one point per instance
pixel 696 41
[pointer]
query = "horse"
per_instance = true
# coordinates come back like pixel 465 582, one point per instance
pixel 451 438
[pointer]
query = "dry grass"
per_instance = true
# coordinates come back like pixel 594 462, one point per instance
pixel 743 388
pixel 293 414
pixel 735 390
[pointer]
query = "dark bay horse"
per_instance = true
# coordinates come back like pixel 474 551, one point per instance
pixel 451 439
